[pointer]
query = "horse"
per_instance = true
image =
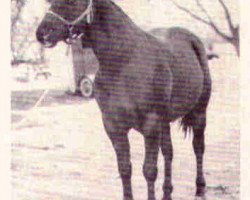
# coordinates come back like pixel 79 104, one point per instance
pixel 162 34
pixel 141 84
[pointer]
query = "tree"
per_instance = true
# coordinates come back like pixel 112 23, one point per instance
pixel 232 37
pixel 22 39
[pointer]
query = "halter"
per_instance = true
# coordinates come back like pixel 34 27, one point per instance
pixel 88 13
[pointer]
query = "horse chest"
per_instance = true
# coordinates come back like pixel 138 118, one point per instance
pixel 111 95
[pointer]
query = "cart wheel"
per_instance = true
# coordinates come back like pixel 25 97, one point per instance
pixel 86 87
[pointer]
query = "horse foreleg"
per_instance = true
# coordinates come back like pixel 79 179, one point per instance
pixel 120 142
pixel 151 132
pixel 167 151
pixel 199 148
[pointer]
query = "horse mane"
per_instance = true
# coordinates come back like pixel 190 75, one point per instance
pixel 112 34
pixel 115 18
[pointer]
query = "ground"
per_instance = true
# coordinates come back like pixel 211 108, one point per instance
pixel 60 150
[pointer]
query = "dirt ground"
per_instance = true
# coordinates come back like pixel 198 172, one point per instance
pixel 61 152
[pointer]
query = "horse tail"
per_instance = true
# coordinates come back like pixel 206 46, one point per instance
pixel 189 120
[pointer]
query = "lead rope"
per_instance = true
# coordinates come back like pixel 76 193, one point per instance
pixel 39 101
pixel 68 49
pixel 29 112
pixel 89 16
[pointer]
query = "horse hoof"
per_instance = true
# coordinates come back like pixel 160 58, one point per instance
pixel 200 198
pixel 128 198
pixel 200 192
pixel 167 197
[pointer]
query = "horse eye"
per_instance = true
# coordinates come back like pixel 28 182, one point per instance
pixel 50 29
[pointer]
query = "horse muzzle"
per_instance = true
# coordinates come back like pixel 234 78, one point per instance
pixel 44 36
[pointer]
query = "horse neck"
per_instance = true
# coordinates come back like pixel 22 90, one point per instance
pixel 112 35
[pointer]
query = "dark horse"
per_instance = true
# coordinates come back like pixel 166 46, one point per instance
pixel 141 83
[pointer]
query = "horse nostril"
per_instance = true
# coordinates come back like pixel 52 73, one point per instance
pixel 39 36
pixel 42 35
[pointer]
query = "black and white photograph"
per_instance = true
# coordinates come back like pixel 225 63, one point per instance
pixel 125 100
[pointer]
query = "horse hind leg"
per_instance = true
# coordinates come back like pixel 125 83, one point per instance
pixel 151 133
pixel 167 151
pixel 199 148
pixel 197 122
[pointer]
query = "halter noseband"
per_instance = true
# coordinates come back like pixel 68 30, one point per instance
pixel 88 13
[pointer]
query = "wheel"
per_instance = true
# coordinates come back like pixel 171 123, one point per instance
pixel 86 87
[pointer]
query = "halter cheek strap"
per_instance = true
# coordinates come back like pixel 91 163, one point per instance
pixel 88 13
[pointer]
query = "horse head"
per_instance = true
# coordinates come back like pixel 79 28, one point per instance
pixel 65 20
